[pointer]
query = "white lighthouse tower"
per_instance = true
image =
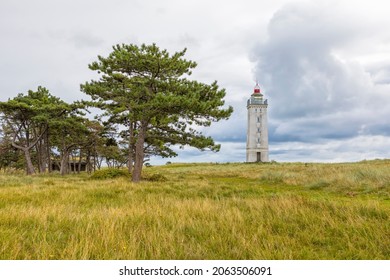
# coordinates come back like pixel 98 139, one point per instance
pixel 257 133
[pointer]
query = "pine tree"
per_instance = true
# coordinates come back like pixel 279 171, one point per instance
pixel 28 117
pixel 149 91
pixel 32 119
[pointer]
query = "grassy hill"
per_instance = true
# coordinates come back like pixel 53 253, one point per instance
pixel 201 211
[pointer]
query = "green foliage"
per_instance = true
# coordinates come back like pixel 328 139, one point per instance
pixel 34 109
pixel 9 156
pixel 110 173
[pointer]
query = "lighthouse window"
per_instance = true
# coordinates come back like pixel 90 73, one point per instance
pixel 258 119
pixel 258 129
pixel 258 140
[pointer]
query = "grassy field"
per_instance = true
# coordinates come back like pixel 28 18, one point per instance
pixel 201 211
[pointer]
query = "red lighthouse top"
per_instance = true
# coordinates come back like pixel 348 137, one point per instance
pixel 256 89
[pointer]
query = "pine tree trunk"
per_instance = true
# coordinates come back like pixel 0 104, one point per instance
pixel 94 157
pixel 48 154
pixel 42 156
pixel 30 167
pixel 130 159
pixel 74 163
pixel 88 163
pixel 69 168
pixel 64 163
pixel 38 157
pixel 139 154
pixel 79 163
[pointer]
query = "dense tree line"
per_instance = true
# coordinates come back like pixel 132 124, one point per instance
pixel 148 104
pixel 39 131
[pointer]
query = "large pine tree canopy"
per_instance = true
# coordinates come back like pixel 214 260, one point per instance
pixel 150 92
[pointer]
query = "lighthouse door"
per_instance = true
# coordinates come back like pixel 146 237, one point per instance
pixel 258 156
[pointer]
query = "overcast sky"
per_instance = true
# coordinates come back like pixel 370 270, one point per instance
pixel 323 65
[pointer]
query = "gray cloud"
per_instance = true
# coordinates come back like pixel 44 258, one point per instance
pixel 353 149
pixel 313 94
pixel 380 73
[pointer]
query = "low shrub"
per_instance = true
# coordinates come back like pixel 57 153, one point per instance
pixel 157 178
pixel 110 173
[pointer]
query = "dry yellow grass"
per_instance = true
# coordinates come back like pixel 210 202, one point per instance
pixel 202 211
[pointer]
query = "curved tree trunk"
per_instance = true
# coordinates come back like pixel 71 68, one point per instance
pixel 26 150
pixel 30 167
